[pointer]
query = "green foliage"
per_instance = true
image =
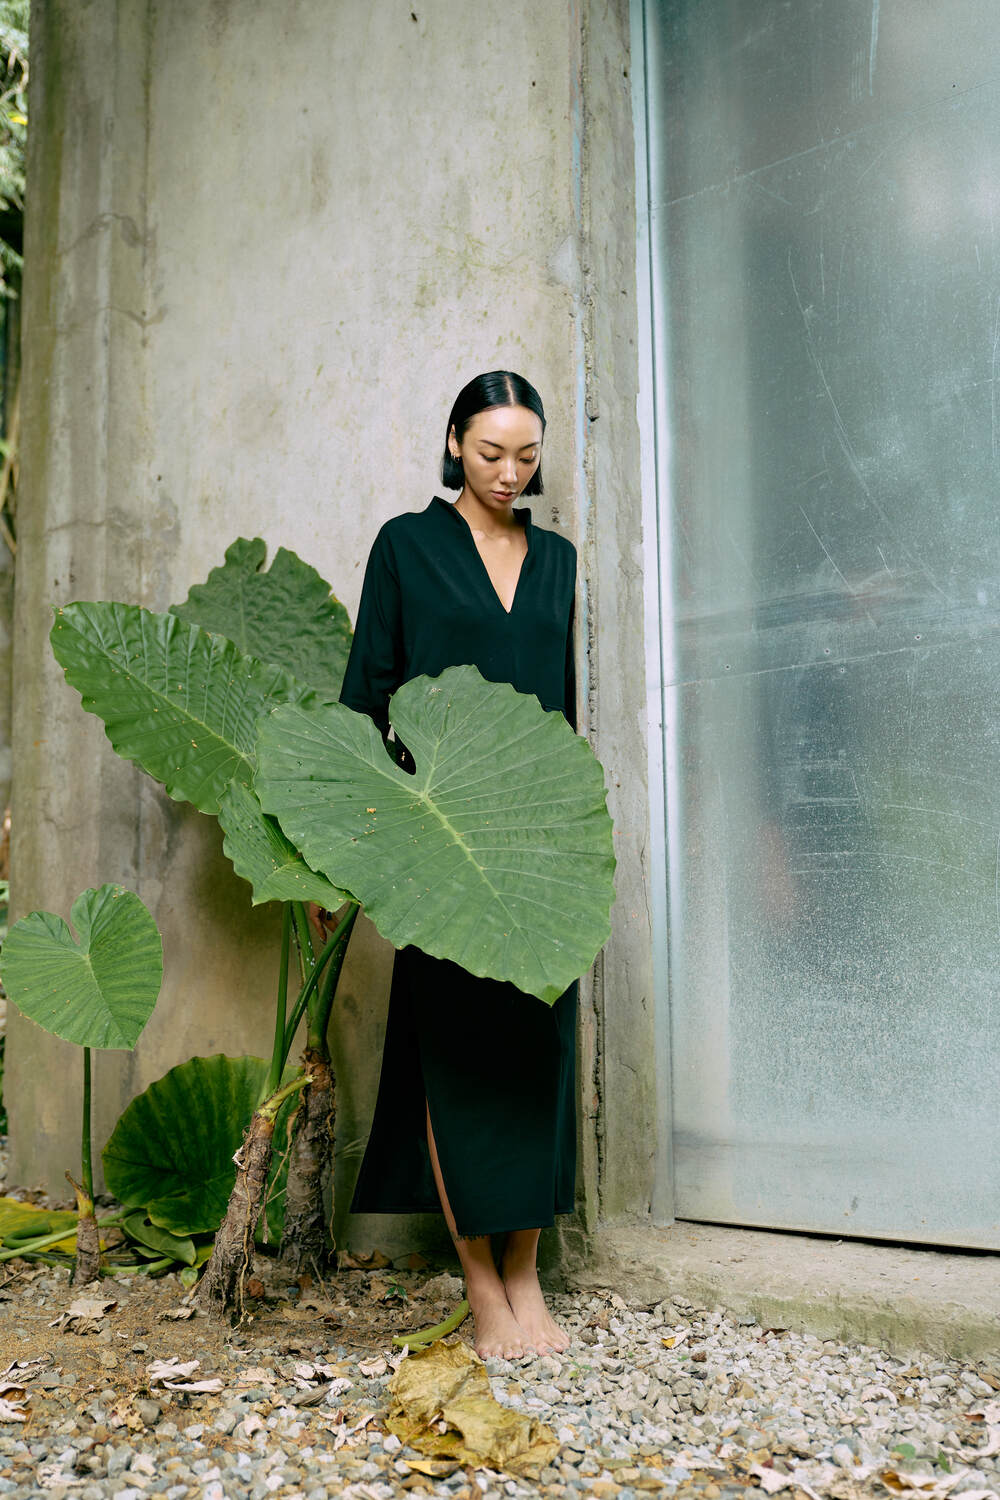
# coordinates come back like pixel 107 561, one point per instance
pixel 160 1241
pixel 26 1221
pixel 97 990
pixel 181 703
pixel 4 898
pixel 286 616
pixel 13 127
pixel 261 854
pixel 496 854
pixel 171 1152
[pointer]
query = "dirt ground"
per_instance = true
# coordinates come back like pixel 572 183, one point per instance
pixel 289 1323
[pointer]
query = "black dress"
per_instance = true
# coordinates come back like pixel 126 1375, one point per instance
pixel 497 1066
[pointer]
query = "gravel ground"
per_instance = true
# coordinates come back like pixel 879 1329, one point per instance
pixel 665 1399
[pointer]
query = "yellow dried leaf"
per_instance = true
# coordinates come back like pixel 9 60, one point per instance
pixel 436 1468
pixel 19 1219
pixel 447 1386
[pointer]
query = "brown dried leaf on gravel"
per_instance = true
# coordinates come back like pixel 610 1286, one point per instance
pixel 174 1375
pixel 84 1314
pixel 446 1386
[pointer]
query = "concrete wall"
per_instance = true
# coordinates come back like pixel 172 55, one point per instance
pixel 265 246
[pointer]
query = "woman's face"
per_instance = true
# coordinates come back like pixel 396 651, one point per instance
pixel 500 450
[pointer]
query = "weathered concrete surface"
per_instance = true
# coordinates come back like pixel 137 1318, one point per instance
pixel 266 245
pixel 619 1053
pixel 905 1300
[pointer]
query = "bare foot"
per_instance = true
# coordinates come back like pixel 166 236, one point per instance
pixel 497 1330
pixel 540 1330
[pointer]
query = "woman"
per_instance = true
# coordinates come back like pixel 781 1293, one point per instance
pixel 476 1102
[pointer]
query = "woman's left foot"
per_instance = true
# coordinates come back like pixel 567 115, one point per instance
pixel 524 1294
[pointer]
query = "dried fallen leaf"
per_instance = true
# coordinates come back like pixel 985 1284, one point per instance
pixel 877 1393
pixel 372 1260
pixel 372 1367
pixel 447 1385
pixel 414 1261
pixel 675 1339
pixel 901 1481
pixel 92 1307
pixel 179 1314
pixel 772 1480
pixel 436 1468
pixel 256 1375
pixel 988 1449
pixel 10 1411
pixel 317 1395
pixel 988 1412
pixel 174 1376
pixel 84 1314
pixel 27 1369
pixel 171 1369
pixel 51 1477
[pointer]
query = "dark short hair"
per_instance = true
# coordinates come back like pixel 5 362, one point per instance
pixel 495 388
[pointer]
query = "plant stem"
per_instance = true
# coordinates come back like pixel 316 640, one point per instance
pixel 340 933
pixel 28 1247
pixel 41 1242
pixel 321 1004
pixel 303 940
pixel 424 1336
pixel 269 1109
pixel 277 1057
pixel 86 1148
pixel 129 1268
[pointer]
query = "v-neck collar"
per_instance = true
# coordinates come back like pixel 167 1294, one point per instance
pixel 524 517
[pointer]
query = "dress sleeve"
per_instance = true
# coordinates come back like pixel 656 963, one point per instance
pixel 375 665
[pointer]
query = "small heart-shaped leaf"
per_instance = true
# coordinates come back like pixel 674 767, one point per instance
pixel 97 990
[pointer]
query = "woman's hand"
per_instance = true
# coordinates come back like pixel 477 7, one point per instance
pixel 321 921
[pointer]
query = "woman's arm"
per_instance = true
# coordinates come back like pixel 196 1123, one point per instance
pixel 375 666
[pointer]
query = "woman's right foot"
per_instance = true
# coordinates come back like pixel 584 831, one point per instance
pixel 498 1333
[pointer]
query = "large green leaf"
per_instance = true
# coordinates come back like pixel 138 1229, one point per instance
pixel 97 990
pixel 159 1241
pixel 496 854
pixel 261 854
pixel 287 615
pixel 181 703
pixel 171 1152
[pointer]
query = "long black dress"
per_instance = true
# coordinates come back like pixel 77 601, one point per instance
pixel 497 1066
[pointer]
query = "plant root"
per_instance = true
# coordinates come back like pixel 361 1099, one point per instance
pixel 220 1291
pixel 305 1239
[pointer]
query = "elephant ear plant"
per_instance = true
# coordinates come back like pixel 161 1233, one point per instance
pixel 314 808
pixel 97 989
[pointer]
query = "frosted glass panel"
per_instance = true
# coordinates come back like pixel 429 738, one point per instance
pixel 825 206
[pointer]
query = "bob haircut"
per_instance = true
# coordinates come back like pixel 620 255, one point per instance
pixel 495 388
